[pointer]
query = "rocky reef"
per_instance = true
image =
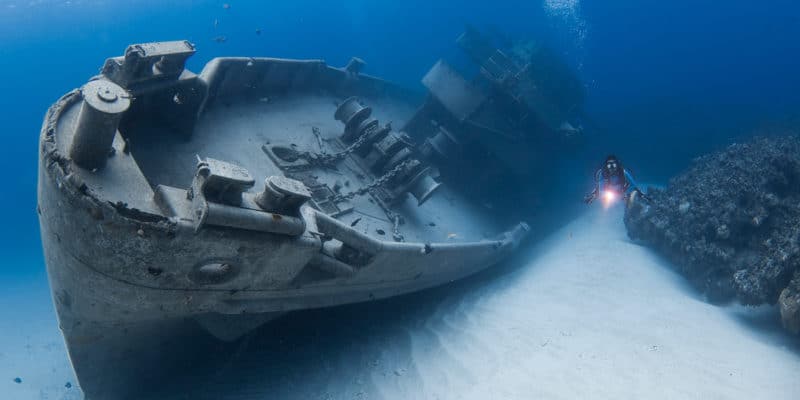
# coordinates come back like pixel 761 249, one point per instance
pixel 731 224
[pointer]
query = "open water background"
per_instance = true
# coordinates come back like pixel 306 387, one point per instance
pixel 666 81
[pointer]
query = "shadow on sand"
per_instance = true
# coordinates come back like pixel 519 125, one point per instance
pixel 332 352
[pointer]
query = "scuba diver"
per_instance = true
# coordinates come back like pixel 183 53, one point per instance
pixel 613 181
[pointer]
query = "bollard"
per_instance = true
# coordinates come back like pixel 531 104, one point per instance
pixel 103 104
pixel 282 195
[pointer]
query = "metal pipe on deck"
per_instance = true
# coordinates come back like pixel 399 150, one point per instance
pixel 347 235
pixel 244 218
pixel 328 264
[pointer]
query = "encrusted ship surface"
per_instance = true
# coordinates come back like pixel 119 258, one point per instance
pixel 174 202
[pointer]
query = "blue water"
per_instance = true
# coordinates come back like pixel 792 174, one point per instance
pixel 665 80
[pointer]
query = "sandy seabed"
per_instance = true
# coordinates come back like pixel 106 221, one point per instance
pixel 585 313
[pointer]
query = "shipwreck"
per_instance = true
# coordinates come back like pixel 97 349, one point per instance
pixel 175 202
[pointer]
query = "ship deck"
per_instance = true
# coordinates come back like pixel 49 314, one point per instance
pixel 236 132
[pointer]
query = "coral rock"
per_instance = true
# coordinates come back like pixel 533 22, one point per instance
pixel 730 224
pixel 789 303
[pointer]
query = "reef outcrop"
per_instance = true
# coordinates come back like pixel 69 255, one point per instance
pixel 731 224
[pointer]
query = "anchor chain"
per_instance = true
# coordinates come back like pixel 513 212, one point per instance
pixel 324 159
pixel 396 221
pixel 374 185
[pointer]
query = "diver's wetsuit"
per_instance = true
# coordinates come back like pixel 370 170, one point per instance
pixel 621 183
pixel 628 184
pixel 612 177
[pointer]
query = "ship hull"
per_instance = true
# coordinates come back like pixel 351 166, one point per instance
pixel 139 285
pixel 125 338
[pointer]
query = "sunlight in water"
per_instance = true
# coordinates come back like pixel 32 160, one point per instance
pixel 568 15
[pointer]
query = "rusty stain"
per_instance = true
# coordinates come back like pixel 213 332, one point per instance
pixel 96 213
